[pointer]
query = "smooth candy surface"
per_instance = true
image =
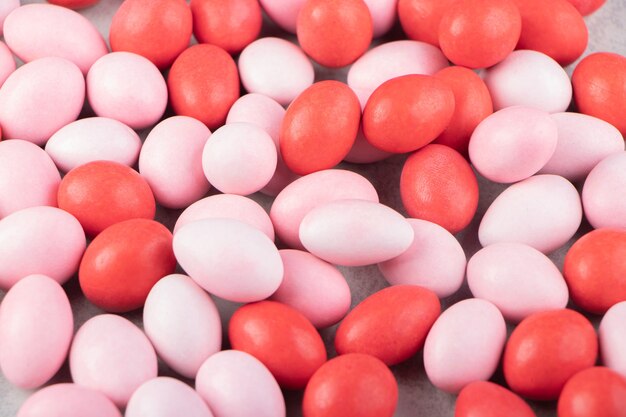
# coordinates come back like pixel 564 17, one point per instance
pixel 74 4
pixel 336 233
pixel 420 19
pixel 383 15
pixel 7 62
pixel 604 186
pixel 183 324
pixel 363 152
pixel 36 328
pixel 596 391
pixel 435 260
pixel 284 14
pixel 518 279
pixel 586 7
pixel 93 139
pixel 486 399
pixel 6 7
pixel 543 211
pixel 612 332
pixel 39 98
pixel 68 400
pixel 165 397
pixel 464 344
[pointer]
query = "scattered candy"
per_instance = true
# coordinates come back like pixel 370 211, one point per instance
pixel 596 391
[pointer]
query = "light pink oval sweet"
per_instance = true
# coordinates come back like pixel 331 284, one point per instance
pixel 68 400
pixel 6 7
pixel 283 13
pixel 166 397
pixel 7 62
pixel 383 13
pixel 612 333
pixel 604 191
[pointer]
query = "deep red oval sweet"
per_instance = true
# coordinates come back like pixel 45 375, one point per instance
pixel 420 18
pixel 594 392
pixel 486 399
pixel 586 7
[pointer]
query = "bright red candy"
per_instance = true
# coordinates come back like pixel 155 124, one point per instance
pixel 595 270
pixel 438 185
pixel 420 18
pixel 319 127
pixel 545 350
pixel 203 83
pixel 391 324
pixel 472 104
pixel 102 193
pixel 407 113
pixel 599 82
pixel 281 338
pixel 334 32
pixel 553 27
pixel 123 263
pixel 74 4
pixel 229 24
pixel 352 385
pixel 479 33
pixel 594 392
pixel 486 399
pixel 586 7
pixel 156 29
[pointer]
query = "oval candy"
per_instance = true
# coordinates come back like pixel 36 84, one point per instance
pixel 420 19
pixel 596 391
pixel 7 62
pixel 486 399
pixel 6 7
pixel 165 396
pixel 68 400
pixel 612 333
pixel 602 192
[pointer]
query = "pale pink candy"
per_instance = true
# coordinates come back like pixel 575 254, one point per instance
pixel 283 176
pixel 310 191
pixel 36 327
pixel 529 78
pixel 40 240
pixel 229 206
pixel 229 258
pixel 543 211
pixel 240 158
pixel 112 355
pixel 313 287
pixel 604 191
pixel 513 144
pixel 183 324
pixel 127 87
pixel 435 260
pixel 391 60
pixel 583 142
pixel 276 68
pixel 363 152
pixel 68 400
pixel 464 345
pixel 355 232
pixel 6 7
pixel 517 279
pixel 40 30
pixel 236 384
pixel 171 161
pixel 39 98
pixel 7 62
pixel 383 15
pixel 93 139
pixel 166 397
pixel 283 13
pixel 612 332
pixel 28 177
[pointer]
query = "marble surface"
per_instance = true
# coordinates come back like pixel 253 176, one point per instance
pixel 417 396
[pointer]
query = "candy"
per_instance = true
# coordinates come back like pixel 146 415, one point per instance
pixel 612 332
pixel 281 338
pixel 102 193
pixel 596 391
pixel 602 190
pixel 284 14
pixel 352 385
pixel 123 263
pixel 165 396
pixel 486 399
pixel 449 199
pixel 464 344
pixel 36 31
pixel 68 400
pixel 7 63
pixel 74 4
pixel 93 139
pixel 111 355
pixel 6 7
pixel 420 18
pixel 390 324
pixel 545 350
pixel 363 152
pixel 36 327
pixel 155 29
pixel 329 231
pixel 39 98
pixel 383 14
pixel 183 324
pixel 39 240
pixel 171 161
pixel 229 258
pixel 236 384
pixel 586 7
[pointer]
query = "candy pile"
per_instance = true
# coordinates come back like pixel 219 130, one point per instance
pixel 98 144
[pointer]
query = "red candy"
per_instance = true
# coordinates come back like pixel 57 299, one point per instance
pixel 438 185
pixel 594 392
pixel 102 193
pixel 123 263
pixel 420 18
pixel 545 350
pixel 486 399
pixel 553 27
pixel 586 7
pixel 74 4
pixel 203 83
pixel 595 270
pixel 280 337
pixel 156 29
pixel 407 113
pixel 319 127
pixel 352 385
pixel 229 24
pixel 334 32
pixel 600 87
pixel 390 324
pixel 469 35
